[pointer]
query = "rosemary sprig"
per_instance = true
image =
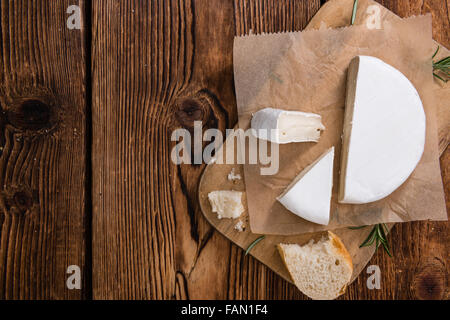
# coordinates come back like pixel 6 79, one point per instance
pixel 254 243
pixel 377 235
pixel 441 68
pixel 355 7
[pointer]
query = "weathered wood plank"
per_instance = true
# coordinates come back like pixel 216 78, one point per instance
pixel 142 62
pixel 42 151
pixel 418 269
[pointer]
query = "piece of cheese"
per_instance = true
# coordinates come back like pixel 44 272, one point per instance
pixel 384 131
pixel 281 126
pixel 227 204
pixel 309 195
pixel 233 175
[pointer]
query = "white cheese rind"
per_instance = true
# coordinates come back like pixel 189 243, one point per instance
pixel 227 204
pixel 384 131
pixel 282 126
pixel 309 195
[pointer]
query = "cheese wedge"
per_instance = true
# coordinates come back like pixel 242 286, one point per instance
pixel 281 126
pixel 309 195
pixel 227 204
pixel 384 131
pixel 321 270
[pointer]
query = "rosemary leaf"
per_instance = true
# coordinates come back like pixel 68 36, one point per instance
pixel 355 7
pixel 385 228
pixel 383 233
pixel 444 61
pixel 254 243
pixel 440 78
pixel 378 235
pixel 369 240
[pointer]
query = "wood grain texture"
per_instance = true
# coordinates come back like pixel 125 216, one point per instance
pixel 161 65
pixel 215 177
pixel 156 66
pixel 440 13
pixel 42 151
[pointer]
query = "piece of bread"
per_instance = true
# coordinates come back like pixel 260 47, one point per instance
pixel 321 270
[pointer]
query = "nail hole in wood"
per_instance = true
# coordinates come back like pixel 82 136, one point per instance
pixel 429 283
pixel 32 115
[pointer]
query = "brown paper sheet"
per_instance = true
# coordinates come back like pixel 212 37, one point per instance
pixel 306 71
pixel 336 13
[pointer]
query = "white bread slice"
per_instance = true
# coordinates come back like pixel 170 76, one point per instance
pixel 321 270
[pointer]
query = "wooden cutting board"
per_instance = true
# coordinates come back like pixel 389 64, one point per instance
pixel 335 13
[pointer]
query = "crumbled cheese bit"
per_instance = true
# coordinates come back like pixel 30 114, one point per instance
pixel 239 226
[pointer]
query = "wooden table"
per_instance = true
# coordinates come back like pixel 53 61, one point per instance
pixel 85 171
